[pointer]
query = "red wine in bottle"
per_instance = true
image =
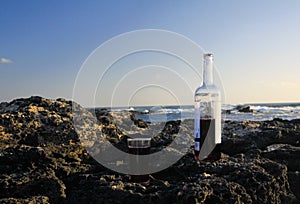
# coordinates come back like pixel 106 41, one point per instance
pixel 207 131
pixel 214 155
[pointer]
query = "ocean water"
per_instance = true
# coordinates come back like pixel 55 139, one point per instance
pixel 261 112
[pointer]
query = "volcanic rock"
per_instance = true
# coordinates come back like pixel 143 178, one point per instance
pixel 44 159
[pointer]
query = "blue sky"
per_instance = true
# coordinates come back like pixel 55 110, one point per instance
pixel 256 43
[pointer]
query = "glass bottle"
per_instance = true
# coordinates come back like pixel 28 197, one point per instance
pixel 207 125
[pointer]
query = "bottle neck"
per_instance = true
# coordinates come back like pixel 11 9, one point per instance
pixel 208 69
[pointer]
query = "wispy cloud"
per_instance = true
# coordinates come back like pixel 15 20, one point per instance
pixel 5 60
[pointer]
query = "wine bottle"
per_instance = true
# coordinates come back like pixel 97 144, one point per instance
pixel 207 121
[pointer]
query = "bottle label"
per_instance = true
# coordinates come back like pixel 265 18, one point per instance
pixel 197 122
pixel 197 146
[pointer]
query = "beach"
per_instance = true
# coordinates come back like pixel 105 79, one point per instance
pixel 42 159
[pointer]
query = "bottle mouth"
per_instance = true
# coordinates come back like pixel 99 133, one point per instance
pixel 208 55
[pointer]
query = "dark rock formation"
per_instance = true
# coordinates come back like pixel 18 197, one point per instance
pixel 226 111
pixel 244 109
pixel 42 160
pixel 138 122
pixel 289 156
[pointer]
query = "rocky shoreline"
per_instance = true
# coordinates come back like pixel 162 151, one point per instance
pixel 42 161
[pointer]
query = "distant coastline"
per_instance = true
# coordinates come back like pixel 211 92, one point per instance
pixel 250 112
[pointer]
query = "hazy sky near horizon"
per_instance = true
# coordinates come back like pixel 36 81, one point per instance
pixel 256 43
